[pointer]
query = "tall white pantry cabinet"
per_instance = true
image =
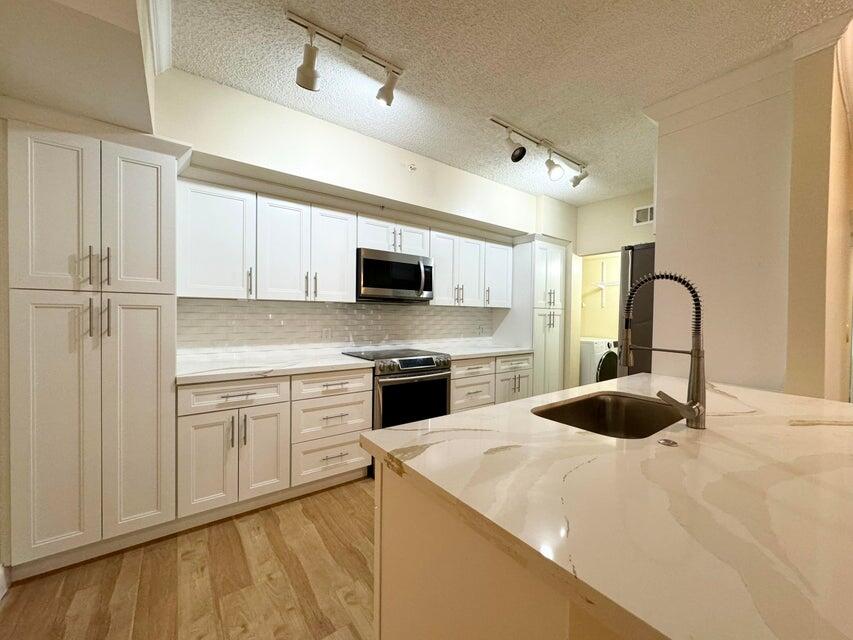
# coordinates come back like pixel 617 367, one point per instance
pixel 91 228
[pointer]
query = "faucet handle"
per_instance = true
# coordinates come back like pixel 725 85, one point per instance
pixel 687 411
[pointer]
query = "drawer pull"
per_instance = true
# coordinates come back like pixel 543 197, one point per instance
pixel 342 383
pixel 228 396
pixel 335 457
pixel 474 393
pixel 337 415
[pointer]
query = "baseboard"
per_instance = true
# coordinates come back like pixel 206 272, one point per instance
pixel 32 568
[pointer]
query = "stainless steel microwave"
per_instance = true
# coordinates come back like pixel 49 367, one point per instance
pixel 390 276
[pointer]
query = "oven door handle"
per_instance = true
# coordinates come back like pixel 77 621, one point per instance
pixel 429 376
pixel 423 277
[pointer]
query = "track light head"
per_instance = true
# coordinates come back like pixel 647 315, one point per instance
pixel 516 151
pixel 307 76
pixel 386 91
pixel 555 169
pixel 580 177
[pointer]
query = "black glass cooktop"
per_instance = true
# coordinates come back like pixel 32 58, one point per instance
pixel 388 354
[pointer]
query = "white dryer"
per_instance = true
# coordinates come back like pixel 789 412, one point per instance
pixel 599 358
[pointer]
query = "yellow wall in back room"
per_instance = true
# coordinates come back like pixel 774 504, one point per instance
pixel 599 321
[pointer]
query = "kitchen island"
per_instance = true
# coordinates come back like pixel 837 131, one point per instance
pixel 496 523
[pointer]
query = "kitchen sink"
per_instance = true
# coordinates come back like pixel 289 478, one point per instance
pixel 618 415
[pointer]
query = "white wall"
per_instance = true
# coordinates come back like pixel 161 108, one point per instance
pixel 608 225
pixel 230 124
pixel 724 157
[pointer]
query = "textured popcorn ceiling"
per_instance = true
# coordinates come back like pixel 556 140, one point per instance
pixel 577 72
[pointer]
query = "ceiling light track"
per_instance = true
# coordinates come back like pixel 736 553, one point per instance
pixel 346 42
pixel 579 166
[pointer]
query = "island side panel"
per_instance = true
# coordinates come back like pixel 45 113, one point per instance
pixel 436 577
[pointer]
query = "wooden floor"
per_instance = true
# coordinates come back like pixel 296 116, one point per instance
pixel 301 569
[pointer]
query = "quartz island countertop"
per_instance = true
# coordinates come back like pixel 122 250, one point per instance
pixel 216 365
pixel 744 530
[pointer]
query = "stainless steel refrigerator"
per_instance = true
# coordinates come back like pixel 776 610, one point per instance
pixel 637 261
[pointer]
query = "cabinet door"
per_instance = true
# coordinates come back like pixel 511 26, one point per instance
pixel 554 353
pixel 207 461
pixel 505 387
pixel 55 411
pixel 498 275
pixel 264 449
pixel 556 274
pixel 54 190
pixel 541 327
pixel 216 241
pixel 413 240
pixel 472 263
pixel 138 395
pixel 137 220
pixel 284 249
pixel 541 295
pixel 333 244
pixel 443 253
pixel 525 385
pixel 376 234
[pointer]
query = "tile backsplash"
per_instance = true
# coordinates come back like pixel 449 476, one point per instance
pixel 217 324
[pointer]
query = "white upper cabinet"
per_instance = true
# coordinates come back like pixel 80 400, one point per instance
pixel 216 242
pixel 471 260
pixel 376 234
pixel 54 190
pixel 138 400
pixel 55 405
pixel 443 252
pixel 413 240
pixel 498 275
pixel 333 244
pixel 384 235
pixel 549 266
pixel 137 220
pixel 284 249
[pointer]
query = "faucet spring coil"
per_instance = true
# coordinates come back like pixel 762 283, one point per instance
pixel 674 277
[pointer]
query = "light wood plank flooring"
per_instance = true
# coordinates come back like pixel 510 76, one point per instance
pixel 301 569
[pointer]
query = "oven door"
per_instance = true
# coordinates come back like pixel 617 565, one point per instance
pixel 402 398
pixel 385 275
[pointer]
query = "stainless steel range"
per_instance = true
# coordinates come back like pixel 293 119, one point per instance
pixel 409 385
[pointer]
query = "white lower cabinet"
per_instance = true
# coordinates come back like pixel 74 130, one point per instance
pixel 226 456
pixel 513 386
pixel 323 417
pixel 467 393
pixel 325 457
pixel 548 351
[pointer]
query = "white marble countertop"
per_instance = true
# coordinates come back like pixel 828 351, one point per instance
pixel 745 530
pixel 195 366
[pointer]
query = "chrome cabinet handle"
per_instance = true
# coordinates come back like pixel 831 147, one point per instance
pixel 91 266
pixel 231 435
pixel 109 266
pixel 91 318
pixel 395 239
pixel 473 393
pixel 306 285
pixel 250 281
pixel 228 396
pixel 487 296
pixel 342 383
pixel 337 415
pixel 315 285
pixel 335 457
pixel 109 318
pixel 462 293
pixel 245 429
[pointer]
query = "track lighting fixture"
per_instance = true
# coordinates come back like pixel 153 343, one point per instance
pixel 307 75
pixel 580 177
pixel 516 151
pixel 555 169
pixel 386 91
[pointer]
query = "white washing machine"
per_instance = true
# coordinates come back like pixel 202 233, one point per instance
pixel 599 359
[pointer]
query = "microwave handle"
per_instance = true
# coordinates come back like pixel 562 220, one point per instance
pixel 423 277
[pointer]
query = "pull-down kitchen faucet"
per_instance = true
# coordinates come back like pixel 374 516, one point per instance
pixel 694 409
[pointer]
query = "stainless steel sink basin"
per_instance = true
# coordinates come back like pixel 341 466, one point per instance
pixel 619 415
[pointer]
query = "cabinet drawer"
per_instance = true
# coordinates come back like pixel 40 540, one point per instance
pixel 326 457
pixel 330 383
pixel 321 417
pixel 201 398
pixel 472 367
pixel 514 363
pixel 467 393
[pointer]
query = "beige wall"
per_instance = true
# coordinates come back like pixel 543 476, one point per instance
pixel 608 225
pixel 600 320
pixel 230 124
pixel 556 218
pixel 724 158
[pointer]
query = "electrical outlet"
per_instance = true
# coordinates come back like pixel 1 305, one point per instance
pixel 326 333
